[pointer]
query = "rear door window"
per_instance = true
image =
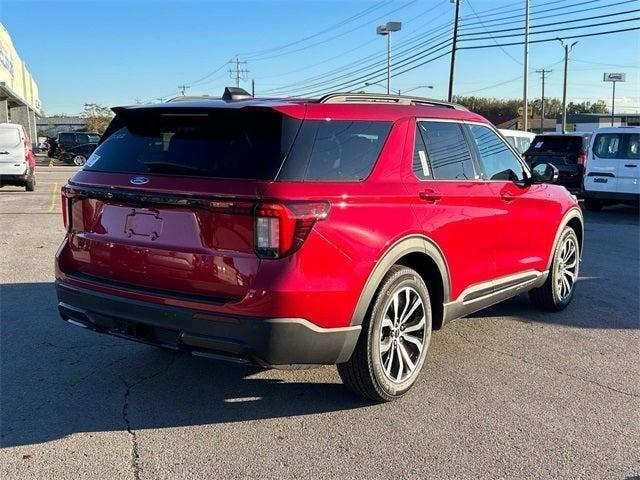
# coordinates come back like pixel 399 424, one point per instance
pixel 616 145
pixel 633 146
pixel 335 150
pixel 246 145
pixel 82 138
pixel 523 144
pixel 447 151
pixel 67 138
pixel 93 138
pixel 9 137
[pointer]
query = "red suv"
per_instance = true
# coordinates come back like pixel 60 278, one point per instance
pixel 303 232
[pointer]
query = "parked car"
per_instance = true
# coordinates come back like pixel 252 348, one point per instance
pixel 17 162
pixel 69 140
pixel 77 155
pixel 612 173
pixel 297 232
pixel 567 152
pixel 518 139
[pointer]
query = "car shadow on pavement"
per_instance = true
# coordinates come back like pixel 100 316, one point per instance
pixel 57 380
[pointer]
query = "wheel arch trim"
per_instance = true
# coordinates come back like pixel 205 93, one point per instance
pixel 404 246
pixel 573 213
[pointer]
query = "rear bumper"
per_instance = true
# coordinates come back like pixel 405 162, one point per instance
pixel 274 342
pixel 612 196
pixel 14 175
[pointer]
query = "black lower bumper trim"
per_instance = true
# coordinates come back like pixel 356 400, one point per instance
pixel 274 342
pixel 18 180
pixel 612 196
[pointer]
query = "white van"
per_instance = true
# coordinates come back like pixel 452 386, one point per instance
pixel 17 163
pixel 612 173
pixel 518 139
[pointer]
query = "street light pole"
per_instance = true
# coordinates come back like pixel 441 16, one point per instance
pixel 613 103
pixel 567 49
pixel 453 48
pixel 388 63
pixel 387 29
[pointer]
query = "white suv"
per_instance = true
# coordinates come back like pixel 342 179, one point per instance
pixel 17 163
pixel 612 172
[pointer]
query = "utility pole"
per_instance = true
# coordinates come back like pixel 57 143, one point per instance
pixel 525 93
pixel 238 73
pixel 253 87
pixel 183 89
pixel 567 49
pixel 543 73
pixel 453 47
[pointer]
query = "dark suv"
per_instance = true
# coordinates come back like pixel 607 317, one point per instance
pixel 567 152
pixel 75 147
pixel 299 231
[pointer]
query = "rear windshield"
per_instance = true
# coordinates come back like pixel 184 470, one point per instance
pixel 617 145
pixel 555 144
pixel 230 144
pixel 9 137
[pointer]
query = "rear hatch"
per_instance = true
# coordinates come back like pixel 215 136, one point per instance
pixel 566 152
pixel 12 150
pixel 166 202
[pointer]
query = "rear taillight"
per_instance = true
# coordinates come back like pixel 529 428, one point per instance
pixel 64 201
pixel 582 159
pixel 281 228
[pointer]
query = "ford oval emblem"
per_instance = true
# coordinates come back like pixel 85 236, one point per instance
pixel 139 180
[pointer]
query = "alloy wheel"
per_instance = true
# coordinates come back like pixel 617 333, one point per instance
pixel 402 335
pixel 567 269
pixel 79 160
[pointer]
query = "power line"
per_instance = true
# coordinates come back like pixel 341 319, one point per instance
pixel 346 21
pixel 487 31
pixel 363 25
pixel 475 47
pixel 324 80
pixel 564 22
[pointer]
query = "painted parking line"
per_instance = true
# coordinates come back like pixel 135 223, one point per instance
pixel 54 198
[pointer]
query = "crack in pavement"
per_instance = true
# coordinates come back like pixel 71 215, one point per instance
pixel 135 455
pixel 561 372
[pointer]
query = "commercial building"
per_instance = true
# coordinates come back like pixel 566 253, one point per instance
pixel 588 122
pixel 19 99
pixel 52 126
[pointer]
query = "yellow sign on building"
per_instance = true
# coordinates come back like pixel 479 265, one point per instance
pixel 14 74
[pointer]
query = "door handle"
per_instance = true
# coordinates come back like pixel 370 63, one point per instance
pixel 430 195
pixel 4 153
pixel 506 197
pixel 631 165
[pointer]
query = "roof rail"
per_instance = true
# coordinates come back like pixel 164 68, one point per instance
pixel 386 98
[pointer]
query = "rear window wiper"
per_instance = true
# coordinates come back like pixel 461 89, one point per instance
pixel 164 166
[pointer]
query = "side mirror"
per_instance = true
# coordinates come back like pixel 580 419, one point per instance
pixel 544 173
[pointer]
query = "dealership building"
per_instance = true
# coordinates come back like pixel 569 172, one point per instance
pixel 19 99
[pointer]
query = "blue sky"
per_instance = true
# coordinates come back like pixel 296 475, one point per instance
pixel 117 52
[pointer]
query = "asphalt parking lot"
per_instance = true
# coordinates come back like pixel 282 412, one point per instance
pixel 509 392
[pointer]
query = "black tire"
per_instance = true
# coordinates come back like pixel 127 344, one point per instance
pixel 549 296
pixel 593 204
pixel 78 160
pixel 30 186
pixel 364 373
